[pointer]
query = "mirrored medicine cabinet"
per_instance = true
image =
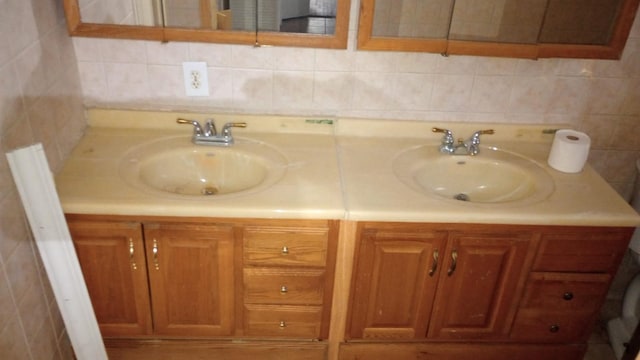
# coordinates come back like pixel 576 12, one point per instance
pixel 510 28
pixel 304 23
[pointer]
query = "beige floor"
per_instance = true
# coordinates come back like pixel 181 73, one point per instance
pixel 599 348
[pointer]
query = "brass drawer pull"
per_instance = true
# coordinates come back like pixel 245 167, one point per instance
pixel 131 255
pixel 285 250
pixel 282 325
pixel 156 264
pixel 568 295
pixel 283 289
pixel 554 328
pixel 454 262
pixel 434 267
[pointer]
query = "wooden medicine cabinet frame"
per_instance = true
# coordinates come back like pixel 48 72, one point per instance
pixel 76 27
pixel 613 50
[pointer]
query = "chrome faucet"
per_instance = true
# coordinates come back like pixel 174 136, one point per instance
pixel 448 143
pixel 469 147
pixel 208 135
pixel 473 144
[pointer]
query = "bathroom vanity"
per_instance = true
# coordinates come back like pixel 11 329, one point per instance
pixel 357 247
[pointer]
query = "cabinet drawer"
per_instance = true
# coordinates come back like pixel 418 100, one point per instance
pixel 283 321
pixel 540 326
pixel 565 291
pixel 283 246
pixel 283 286
pixel 581 251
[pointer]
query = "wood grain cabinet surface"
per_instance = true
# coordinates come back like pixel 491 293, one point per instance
pixel 199 278
pixel 484 288
pixel 417 282
pixel 112 258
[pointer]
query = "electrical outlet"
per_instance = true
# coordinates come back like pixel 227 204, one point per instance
pixel 196 81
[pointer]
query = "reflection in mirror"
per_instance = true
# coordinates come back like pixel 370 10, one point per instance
pixel 194 14
pixel 122 12
pixel 412 18
pixel 293 16
pixel 508 28
pixel 504 21
pixel 580 22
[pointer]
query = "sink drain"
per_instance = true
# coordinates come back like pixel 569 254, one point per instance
pixel 209 190
pixel 461 197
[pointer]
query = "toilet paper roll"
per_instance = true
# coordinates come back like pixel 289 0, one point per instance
pixel 569 151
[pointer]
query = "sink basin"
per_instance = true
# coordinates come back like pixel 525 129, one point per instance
pixel 176 167
pixel 491 177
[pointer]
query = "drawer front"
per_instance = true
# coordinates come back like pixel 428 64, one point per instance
pixel 283 321
pixel 283 286
pixel 285 247
pixel 538 326
pixel 581 251
pixel 564 291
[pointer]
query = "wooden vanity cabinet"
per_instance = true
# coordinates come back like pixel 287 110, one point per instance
pixel 418 281
pixel 479 299
pixel 568 284
pixel 191 275
pixel 288 280
pixel 394 281
pixel 192 278
pixel 525 292
pixel 111 255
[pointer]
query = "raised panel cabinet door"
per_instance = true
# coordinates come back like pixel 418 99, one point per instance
pixel 476 296
pixel 191 275
pixel 395 281
pixel 111 255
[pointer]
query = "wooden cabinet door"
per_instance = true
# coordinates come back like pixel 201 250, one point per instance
pixel 191 273
pixel 395 281
pixel 112 259
pixel 476 297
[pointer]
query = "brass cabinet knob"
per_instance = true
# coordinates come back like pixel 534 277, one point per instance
pixel 285 250
pixel 282 324
pixel 434 265
pixel 283 289
pixel 454 262
pixel 132 254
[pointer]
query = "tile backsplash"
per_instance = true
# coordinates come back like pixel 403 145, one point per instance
pixel 600 97
pixel 40 101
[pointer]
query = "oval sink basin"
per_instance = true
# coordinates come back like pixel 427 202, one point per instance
pixel 491 177
pixel 177 167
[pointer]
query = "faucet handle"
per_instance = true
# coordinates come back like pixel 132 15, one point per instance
pixel 447 146
pixel 448 135
pixel 473 146
pixel 197 129
pixel 226 129
pixel 441 130
pixel 476 135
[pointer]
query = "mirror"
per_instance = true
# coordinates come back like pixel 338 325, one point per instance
pixel 309 23
pixel 513 28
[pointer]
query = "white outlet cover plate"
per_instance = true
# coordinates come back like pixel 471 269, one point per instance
pixel 196 80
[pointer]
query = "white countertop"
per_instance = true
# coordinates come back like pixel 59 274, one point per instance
pixel 338 169
pixel 310 189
